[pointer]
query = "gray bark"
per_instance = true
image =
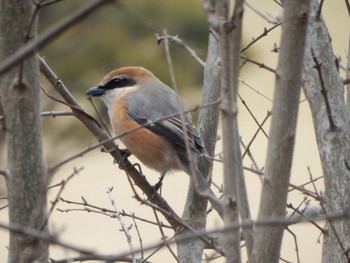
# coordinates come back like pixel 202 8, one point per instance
pixel 268 238
pixel 196 206
pixel 333 139
pixel 26 176
pixel 348 77
pixel 229 29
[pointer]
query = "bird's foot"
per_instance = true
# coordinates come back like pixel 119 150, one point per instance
pixel 158 185
pixel 125 153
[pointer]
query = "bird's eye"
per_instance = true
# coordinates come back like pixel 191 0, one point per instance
pixel 119 82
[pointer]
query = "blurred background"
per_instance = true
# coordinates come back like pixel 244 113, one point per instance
pixel 125 34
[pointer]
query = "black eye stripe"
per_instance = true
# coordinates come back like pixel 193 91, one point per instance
pixel 119 82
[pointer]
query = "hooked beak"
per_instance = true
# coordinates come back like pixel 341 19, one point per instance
pixel 95 91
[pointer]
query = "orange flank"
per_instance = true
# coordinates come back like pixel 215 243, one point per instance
pixel 147 146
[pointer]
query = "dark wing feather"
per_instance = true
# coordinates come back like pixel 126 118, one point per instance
pixel 194 138
pixel 172 130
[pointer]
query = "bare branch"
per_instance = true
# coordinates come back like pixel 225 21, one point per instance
pixel 102 210
pixel 138 17
pixel 319 9
pixel 196 234
pixel 268 17
pixel 56 113
pixel 181 43
pixel 255 90
pixel 125 228
pixel 317 66
pixel 55 202
pixel 254 118
pixel 261 65
pixel 42 40
pixel 256 39
pixel 228 27
pixel 256 133
pixel 139 235
pixel 164 236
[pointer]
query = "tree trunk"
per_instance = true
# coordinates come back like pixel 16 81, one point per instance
pixel 331 122
pixel 26 175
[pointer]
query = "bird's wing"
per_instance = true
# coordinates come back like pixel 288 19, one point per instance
pixel 172 130
pixel 171 127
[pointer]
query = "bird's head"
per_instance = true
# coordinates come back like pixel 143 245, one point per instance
pixel 120 82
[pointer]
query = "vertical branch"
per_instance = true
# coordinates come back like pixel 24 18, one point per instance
pixel 26 172
pixel 273 199
pixel 229 32
pixel 230 37
pixel 196 206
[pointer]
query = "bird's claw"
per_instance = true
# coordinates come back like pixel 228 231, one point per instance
pixel 125 153
pixel 158 185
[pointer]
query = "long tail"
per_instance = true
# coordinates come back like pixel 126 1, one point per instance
pixel 200 183
pixel 204 190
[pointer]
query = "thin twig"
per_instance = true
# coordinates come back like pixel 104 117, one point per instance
pixel 256 39
pixel 82 258
pixel 164 236
pixel 295 243
pixel 50 114
pixel 57 198
pixel 138 17
pixel 56 113
pixel 319 10
pixel 261 65
pixel 181 43
pixel 182 223
pixel 255 90
pixel 125 228
pixel 104 125
pixel 324 92
pixel 296 210
pixel 311 182
pixel 251 157
pixel 69 105
pixel 139 234
pixel 256 133
pixel 268 18
pixel 305 191
pixel 253 116
pixel 101 210
pixel 195 234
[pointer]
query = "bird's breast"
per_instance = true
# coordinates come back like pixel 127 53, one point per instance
pixel 151 149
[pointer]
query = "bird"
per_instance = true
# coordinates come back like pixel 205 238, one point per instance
pixel 134 96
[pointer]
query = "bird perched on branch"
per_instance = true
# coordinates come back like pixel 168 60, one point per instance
pixel 134 97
